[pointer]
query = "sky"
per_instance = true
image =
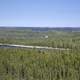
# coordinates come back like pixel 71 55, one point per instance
pixel 40 13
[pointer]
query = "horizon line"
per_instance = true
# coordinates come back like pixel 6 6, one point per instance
pixel 41 26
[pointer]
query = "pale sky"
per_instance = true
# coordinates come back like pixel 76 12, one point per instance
pixel 40 13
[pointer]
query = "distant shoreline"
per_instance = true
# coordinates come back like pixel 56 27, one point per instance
pixel 31 47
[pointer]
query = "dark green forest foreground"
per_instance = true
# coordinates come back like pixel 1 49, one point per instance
pixel 32 64
pixel 35 64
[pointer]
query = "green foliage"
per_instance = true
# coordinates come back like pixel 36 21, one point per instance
pixel 62 38
pixel 31 64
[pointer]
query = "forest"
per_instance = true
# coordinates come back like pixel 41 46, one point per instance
pixel 40 64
